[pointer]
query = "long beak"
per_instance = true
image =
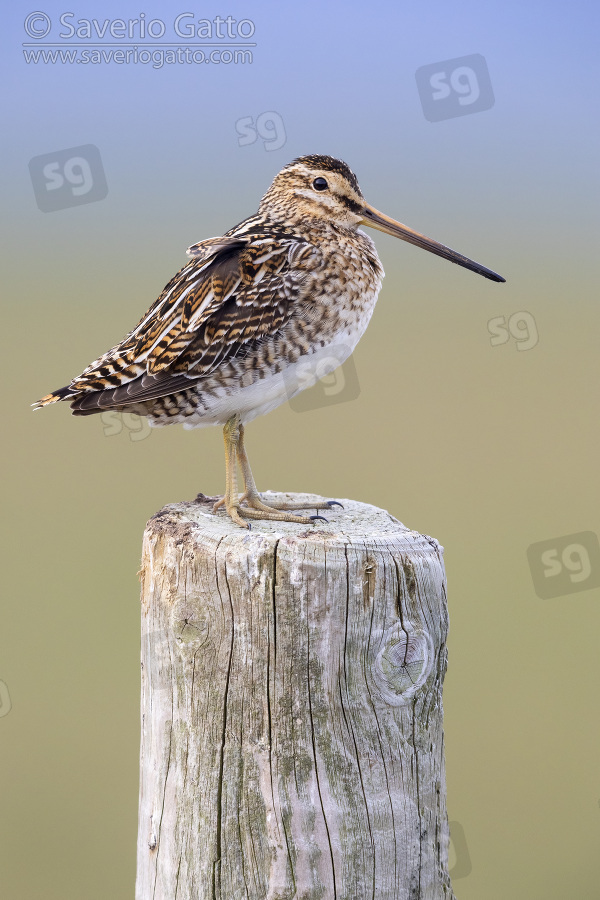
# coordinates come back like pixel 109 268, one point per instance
pixel 378 220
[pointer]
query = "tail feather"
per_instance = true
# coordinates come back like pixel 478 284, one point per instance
pixel 64 393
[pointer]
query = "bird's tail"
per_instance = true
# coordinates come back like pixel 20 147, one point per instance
pixel 64 393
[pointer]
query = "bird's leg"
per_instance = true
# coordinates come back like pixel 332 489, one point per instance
pixel 235 451
pixel 253 498
pixel 232 432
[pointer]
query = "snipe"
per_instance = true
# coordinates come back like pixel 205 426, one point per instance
pixel 222 343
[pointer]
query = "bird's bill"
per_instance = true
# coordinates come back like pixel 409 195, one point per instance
pixel 376 219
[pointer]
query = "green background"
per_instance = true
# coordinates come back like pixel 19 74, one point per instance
pixel 488 448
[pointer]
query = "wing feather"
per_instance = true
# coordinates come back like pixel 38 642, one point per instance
pixel 235 291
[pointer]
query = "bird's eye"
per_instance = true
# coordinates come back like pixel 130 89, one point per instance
pixel 320 184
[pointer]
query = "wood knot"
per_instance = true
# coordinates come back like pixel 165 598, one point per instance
pixel 403 664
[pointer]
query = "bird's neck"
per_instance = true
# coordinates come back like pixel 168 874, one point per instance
pixel 301 222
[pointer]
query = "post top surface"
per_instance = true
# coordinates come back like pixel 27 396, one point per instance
pixel 355 522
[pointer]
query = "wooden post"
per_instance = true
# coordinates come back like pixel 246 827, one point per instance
pixel 292 744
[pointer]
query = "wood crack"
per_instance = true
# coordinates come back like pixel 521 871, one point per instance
pixel 350 727
pixel 217 861
pixel 314 748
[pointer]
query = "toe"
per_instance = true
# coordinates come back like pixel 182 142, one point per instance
pixel 234 515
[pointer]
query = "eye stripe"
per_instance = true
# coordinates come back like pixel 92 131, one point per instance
pixel 351 204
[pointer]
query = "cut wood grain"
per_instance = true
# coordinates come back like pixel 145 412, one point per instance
pixel 292 742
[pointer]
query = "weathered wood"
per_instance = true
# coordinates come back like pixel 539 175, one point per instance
pixel 292 742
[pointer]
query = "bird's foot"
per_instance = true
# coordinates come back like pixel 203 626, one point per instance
pixel 239 513
pixel 317 504
pixel 277 504
pixel 256 509
pixel 222 501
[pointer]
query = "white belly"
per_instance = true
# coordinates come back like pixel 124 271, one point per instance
pixel 263 396
pixel 258 397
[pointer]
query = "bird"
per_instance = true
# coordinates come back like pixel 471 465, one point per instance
pixel 290 286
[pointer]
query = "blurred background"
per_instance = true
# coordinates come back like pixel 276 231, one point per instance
pixel 469 409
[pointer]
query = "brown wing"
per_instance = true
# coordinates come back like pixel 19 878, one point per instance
pixel 235 291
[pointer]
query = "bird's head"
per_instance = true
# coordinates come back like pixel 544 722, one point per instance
pixel 323 190
pixel 316 189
